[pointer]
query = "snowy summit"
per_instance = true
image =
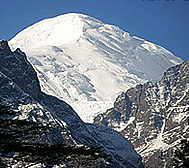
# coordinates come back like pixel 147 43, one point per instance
pixel 88 63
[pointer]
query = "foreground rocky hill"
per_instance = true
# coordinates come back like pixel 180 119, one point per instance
pixel 153 116
pixel 37 129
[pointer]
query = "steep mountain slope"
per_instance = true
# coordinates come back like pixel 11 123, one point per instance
pixel 87 63
pixel 153 116
pixel 37 129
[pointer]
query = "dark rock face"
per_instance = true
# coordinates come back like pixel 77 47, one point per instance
pixel 153 116
pixel 16 67
pixel 40 130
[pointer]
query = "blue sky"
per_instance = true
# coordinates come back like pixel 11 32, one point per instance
pixel 164 22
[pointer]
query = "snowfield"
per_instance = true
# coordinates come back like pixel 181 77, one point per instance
pixel 88 63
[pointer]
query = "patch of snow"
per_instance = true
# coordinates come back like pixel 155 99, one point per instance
pixel 149 46
pixel 173 61
pixel 139 128
pixel 122 125
pixel 87 110
pixel 180 116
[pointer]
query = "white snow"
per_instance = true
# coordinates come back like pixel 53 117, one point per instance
pixel 86 62
pixel 89 109
pixel 54 31
pixel 155 144
pixel 122 125
pixel 149 46
pixel 183 113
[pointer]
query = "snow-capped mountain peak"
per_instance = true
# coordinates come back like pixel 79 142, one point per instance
pixel 88 63
pixel 54 31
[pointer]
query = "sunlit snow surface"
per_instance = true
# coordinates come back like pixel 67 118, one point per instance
pixel 88 63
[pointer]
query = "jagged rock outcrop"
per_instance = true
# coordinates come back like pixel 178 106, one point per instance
pixel 153 116
pixel 40 130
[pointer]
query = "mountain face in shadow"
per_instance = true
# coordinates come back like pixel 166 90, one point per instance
pixel 40 130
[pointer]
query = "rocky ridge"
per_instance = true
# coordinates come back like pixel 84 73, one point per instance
pixel 153 116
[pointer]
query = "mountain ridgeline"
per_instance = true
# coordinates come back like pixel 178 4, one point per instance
pixel 37 129
pixel 153 116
